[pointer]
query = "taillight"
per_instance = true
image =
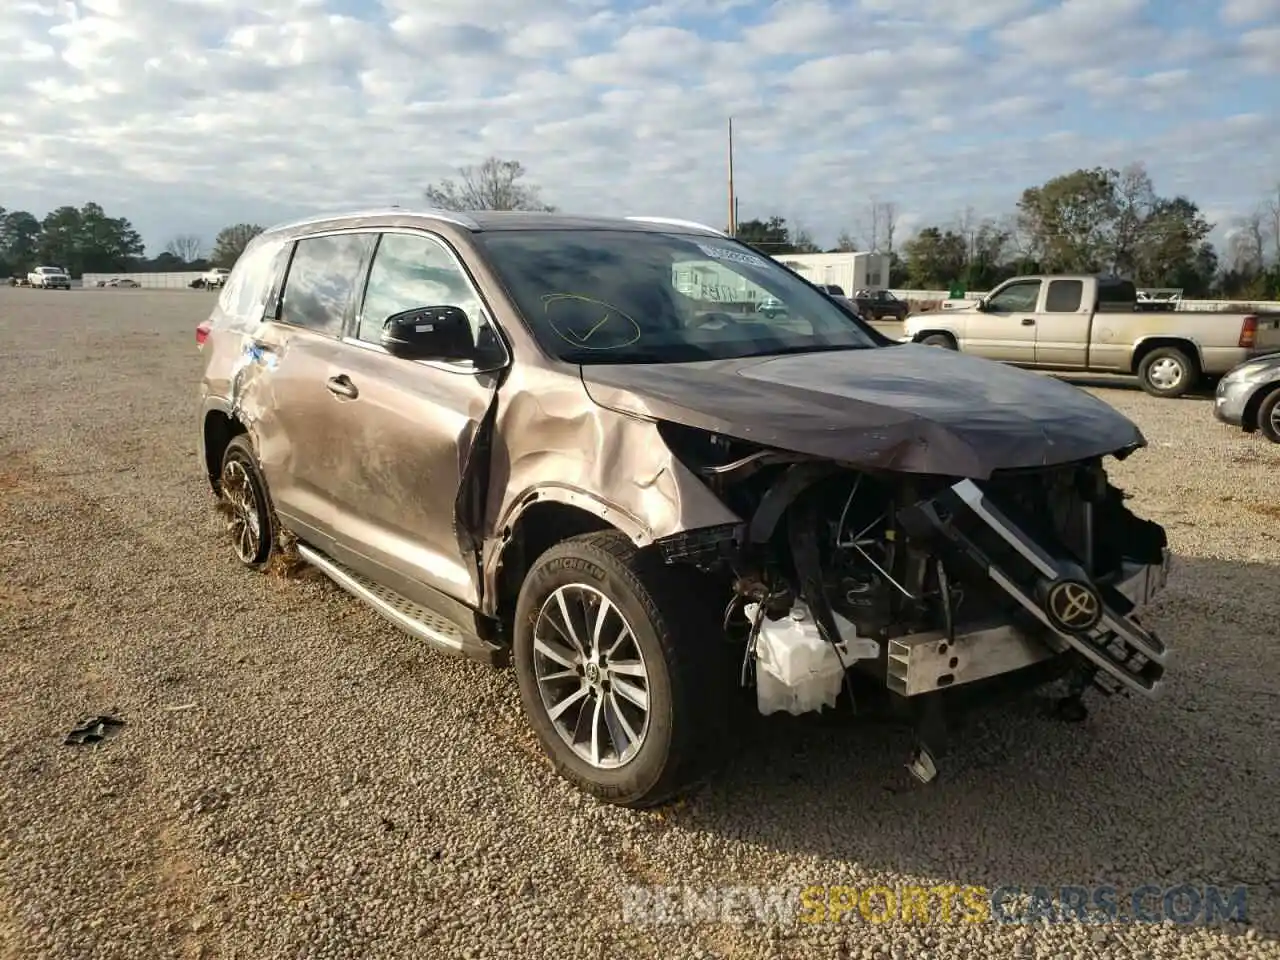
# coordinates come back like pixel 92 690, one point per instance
pixel 202 333
pixel 1248 331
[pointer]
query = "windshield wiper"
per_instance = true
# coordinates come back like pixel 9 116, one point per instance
pixel 811 348
pixel 612 356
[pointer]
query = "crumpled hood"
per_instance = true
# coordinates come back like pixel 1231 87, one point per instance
pixel 908 408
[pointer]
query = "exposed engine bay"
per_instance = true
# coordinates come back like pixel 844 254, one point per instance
pixel 921 583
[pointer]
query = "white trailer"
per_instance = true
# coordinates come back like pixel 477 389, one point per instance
pixel 848 271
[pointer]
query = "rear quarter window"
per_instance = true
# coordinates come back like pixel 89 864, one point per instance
pixel 245 293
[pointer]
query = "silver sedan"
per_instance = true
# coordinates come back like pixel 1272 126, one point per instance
pixel 1249 397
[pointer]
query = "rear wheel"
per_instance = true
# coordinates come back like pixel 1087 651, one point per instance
pixel 939 340
pixel 1167 372
pixel 1269 416
pixel 243 499
pixel 615 664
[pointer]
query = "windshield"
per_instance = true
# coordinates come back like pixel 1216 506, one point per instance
pixel 604 296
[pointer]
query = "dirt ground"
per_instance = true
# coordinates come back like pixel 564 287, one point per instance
pixel 297 779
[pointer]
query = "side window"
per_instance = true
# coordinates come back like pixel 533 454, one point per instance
pixel 324 274
pixel 1017 297
pixel 1064 296
pixel 411 270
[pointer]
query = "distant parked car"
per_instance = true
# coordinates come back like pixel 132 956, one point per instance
pixel 836 293
pixel 49 278
pixel 771 307
pixel 119 282
pixel 1248 396
pixel 880 304
pixel 211 279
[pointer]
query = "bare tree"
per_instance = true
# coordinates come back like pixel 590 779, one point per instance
pixel 966 224
pixel 845 243
pixel 187 247
pixel 1135 201
pixel 802 240
pixel 1271 210
pixel 1247 246
pixel 493 185
pixel 888 215
pixel 1022 245
pixel 879 226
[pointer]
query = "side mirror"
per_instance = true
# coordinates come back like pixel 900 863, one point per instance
pixel 429 333
pixel 981 306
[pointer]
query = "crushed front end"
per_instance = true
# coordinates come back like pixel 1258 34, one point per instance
pixel 941 584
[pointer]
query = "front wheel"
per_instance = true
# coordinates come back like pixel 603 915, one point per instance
pixel 939 340
pixel 614 664
pixel 1269 416
pixel 1167 372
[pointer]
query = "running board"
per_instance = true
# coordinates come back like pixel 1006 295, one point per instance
pixel 413 618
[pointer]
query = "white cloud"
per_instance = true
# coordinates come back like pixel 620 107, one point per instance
pixel 188 114
pixel 1260 49
pixel 1236 12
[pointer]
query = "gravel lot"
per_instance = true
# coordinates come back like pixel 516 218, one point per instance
pixel 297 779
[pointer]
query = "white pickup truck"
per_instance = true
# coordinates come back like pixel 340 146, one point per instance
pixel 1091 324
pixel 49 278
pixel 212 279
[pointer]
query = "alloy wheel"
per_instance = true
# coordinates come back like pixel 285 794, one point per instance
pixel 591 676
pixel 244 520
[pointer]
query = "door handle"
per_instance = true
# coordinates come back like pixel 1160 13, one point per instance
pixel 342 386
pixel 1028 322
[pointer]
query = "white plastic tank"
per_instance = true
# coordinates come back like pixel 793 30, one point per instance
pixel 797 671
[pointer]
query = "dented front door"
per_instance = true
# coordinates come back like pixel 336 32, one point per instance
pixel 405 430
pixel 403 441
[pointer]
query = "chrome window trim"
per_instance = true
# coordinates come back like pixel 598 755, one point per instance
pixel 445 216
pixel 291 245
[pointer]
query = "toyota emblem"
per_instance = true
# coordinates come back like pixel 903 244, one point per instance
pixel 1074 606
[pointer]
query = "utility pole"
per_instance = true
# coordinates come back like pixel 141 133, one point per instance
pixel 733 205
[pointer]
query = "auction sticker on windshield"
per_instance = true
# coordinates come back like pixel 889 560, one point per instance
pixel 736 256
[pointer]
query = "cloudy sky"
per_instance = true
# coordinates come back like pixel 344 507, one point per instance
pixel 185 115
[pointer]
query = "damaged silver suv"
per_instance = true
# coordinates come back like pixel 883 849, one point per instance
pixel 574 444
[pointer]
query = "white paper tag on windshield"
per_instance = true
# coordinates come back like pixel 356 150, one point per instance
pixel 736 256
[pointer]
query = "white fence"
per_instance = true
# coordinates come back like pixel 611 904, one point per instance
pixel 157 281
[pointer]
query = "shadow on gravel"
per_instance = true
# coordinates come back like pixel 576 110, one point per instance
pixel 1102 381
pixel 1177 790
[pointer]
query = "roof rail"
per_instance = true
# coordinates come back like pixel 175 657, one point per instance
pixel 448 216
pixel 670 221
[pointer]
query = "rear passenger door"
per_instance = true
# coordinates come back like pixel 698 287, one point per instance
pixel 295 413
pixel 1062 326
pixel 403 442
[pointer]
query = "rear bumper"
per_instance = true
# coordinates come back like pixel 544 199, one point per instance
pixel 1064 609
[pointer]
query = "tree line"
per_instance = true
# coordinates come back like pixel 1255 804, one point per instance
pixel 1091 220
pixel 85 240
pixel 1094 220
